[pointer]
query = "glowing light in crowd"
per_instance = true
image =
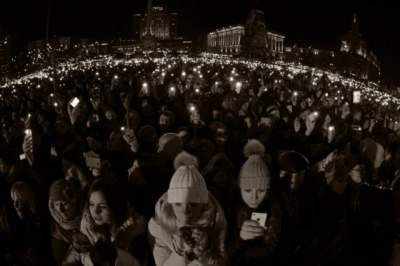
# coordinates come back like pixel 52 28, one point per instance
pixel 371 91
pixel 192 108
pixel 238 85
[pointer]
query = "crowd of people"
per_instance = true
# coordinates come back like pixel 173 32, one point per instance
pixel 197 161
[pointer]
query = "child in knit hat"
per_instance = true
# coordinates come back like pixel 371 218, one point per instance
pixel 189 224
pixel 257 215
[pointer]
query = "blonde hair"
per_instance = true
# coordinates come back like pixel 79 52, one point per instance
pixel 23 191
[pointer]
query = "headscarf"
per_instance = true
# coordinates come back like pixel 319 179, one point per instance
pixel 63 190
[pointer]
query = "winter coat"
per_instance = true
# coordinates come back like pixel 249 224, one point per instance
pixel 124 258
pixel 164 230
pixel 261 249
pixel 129 238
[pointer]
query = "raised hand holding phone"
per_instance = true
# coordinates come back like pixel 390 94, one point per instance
pixel 251 229
pixel 73 110
pixel 27 145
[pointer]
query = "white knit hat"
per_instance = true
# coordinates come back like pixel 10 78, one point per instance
pixel 254 172
pixel 187 184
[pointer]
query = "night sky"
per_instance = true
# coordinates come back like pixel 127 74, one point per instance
pixel 316 23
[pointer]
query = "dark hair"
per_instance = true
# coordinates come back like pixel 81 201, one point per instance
pixel 115 197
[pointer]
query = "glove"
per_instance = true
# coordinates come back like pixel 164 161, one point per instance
pixel 200 238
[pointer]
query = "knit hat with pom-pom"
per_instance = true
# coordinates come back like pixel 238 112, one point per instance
pixel 187 185
pixel 254 172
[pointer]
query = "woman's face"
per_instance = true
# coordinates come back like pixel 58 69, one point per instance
pixel 20 205
pixel 187 213
pixel 253 197
pixel 109 114
pixel 65 209
pixel 357 173
pixel 99 209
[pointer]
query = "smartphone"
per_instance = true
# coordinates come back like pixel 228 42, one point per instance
pixel 259 217
pixel 356 96
pixel 357 128
pixel 74 102
pixel 28 132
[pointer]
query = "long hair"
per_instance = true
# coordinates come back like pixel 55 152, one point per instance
pixel 115 197
pixel 23 191
pixel 211 215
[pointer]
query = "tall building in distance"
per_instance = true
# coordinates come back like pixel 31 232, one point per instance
pixel 252 39
pixel 163 25
pixel 356 56
pixel 229 40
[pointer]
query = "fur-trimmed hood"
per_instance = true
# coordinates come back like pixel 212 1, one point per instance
pixel 212 216
pixel 164 229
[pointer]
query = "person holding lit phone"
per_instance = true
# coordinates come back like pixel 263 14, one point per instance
pixel 257 214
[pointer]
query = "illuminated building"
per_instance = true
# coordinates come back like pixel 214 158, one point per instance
pixel 356 57
pixel 163 25
pixel 226 40
pixel 229 40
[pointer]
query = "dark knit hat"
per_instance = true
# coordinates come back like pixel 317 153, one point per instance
pixel 292 162
pixel 147 134
pixel 63 190
pixel 337 169
pixel 171 144
pixel 373 151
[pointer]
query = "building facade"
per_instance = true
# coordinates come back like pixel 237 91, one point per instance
pixel 163 25
pixel 229 40
pixel 356 57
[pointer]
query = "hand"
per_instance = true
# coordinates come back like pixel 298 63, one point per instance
pixel 297 124
pixel 130 138
pixel 73 114
pixel 251 230
pixel 181 246
pixel 80 242
pixel 201 241
pixel 27 148
pixel 323 163
pixel 331 135
pixel 311 121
